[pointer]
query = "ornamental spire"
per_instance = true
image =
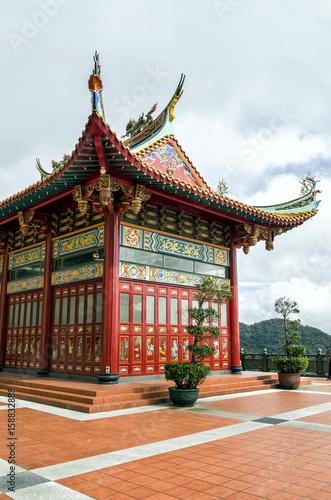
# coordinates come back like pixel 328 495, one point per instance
pixel 95 86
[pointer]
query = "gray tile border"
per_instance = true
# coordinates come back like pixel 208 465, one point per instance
pixel 47 491
pixel 5 468
pixel 307 425
pixel 22 480
pixel 305 412
pixel 224 414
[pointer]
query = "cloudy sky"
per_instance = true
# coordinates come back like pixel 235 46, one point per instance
pixel 255 109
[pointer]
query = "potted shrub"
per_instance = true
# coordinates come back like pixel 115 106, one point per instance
pixel 188 375
pixel 293 363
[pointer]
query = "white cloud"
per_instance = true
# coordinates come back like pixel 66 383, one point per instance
pixel 313 302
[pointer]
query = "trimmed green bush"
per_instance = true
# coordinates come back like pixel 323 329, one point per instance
pixel 186 375
pixel 290 364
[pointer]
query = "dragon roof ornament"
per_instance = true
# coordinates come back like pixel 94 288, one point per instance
pixel 145 130
pixel 222 188
pixel 135 126
pixel 307 183
pixel 307 201
pixel 56 165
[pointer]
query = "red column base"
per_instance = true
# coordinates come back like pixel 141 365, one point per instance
pixel 108 378
pixel 236 369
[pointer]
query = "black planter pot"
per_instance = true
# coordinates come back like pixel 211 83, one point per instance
pixel 183 397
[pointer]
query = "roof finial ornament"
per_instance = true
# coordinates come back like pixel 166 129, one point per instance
pixel 222 188
pixel 95 86
pixel 307 183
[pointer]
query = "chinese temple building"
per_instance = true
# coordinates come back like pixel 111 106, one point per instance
pixel 99 258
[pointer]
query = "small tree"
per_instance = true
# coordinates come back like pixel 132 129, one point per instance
pixel 188 375
pixel 293 361
pixel 201 316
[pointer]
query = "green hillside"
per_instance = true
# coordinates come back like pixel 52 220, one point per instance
pixel 269 334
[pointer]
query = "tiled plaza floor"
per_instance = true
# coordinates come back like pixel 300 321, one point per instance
pixel 271 444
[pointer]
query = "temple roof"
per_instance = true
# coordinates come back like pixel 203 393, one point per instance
pixel 152 157
pixel 83 166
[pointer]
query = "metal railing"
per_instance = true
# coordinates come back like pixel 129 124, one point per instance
pixel 318 365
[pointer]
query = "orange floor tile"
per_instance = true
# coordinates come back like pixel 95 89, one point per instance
pixel 248 453
pixel 277 402
pixel 284 466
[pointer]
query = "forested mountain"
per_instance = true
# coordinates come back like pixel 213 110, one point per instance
pixel 269 334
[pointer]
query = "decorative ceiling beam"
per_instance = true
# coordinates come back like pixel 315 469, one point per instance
pixel 40 222
pixel 103 161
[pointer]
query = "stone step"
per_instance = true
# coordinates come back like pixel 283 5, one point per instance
pixel 92 398
pixel 99 397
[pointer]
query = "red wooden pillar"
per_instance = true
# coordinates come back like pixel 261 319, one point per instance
pixel 111 296
pixel 234 310
pixel 45 347
pixel 3 304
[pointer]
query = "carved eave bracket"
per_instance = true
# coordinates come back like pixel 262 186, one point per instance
pixel 247 235
pixel 82 194
pixel 3 240
pixel 140 196
pixel 101 194
pixel 40 222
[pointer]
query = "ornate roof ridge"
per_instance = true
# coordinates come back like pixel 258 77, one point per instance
pixel 96 123
pixel 48 178
pixel 143 132
pixel 229 202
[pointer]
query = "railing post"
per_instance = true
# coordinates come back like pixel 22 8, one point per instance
pixel 242 358
pixel 264 360
pixel 319 363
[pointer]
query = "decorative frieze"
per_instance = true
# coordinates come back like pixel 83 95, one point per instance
pixel 155 242
pixel 25 285
pixel 90 271
pixel 29 256
pixel 133 271
pixel 85 240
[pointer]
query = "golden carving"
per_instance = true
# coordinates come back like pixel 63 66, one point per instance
pixel 181 278
pixel 269 245
pixel 78 242
pixel 140 195
pixel 115 185
pixel 128 190
pixel 83 207
pixel 30 219
pixel 220 257
pixel 78 193
pixel 136 206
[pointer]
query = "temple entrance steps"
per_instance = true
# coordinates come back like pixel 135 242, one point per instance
pixel 90 397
